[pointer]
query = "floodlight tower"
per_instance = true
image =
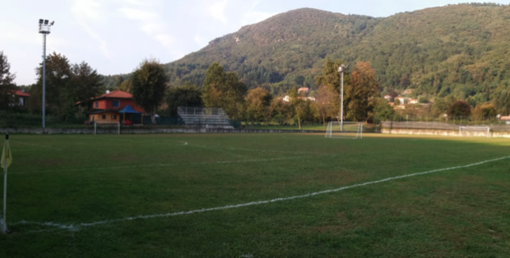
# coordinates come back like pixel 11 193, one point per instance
pixel 44 28
pixel 341 70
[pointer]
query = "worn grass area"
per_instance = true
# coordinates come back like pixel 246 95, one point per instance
pixel 72 195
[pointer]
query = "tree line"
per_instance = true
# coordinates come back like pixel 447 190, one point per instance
pixel 223 89
pixel 69 83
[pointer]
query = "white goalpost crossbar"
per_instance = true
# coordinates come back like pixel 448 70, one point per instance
pixel 475 131
pixel 110 125
pixel 345 130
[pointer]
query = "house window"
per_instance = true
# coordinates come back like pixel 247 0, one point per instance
pixel 96 104
pixel 104 117
pixel 114 117
pixel 115 103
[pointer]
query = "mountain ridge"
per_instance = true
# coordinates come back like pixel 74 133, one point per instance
pixel 454 50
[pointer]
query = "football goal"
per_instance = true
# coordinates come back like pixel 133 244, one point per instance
pixel 350 130
pixel 106 128
pixel 483 131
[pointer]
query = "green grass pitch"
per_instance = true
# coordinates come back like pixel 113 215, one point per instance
pixel 175 195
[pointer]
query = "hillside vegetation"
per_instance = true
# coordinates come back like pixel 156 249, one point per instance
pixel 456 50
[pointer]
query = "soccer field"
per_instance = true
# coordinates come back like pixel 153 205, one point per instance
pixel 257 195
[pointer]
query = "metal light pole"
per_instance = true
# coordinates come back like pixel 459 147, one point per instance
pixel 341 71
pixel 44 28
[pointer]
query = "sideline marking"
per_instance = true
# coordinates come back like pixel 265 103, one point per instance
pixel 75 227
pixel 156 165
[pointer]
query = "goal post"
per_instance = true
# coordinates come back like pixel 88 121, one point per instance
pixel 109 128
pixel 483 131
pixel 351 130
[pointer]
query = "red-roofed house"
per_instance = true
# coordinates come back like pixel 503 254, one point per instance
pixel 303 89
pixel 22 96
pixel 105 108
pixel 505 119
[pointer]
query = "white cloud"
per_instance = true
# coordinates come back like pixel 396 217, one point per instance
pixel 217 10
pixel 151 23
pixel 86 12
pixel 252 17
pixel 165 40
pixel 139 15
pixel 201 41
pixel 87 9
pixel 25 37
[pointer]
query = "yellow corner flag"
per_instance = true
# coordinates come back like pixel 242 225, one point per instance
pixel 6 153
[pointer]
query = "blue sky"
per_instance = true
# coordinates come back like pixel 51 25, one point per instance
pixel 114 36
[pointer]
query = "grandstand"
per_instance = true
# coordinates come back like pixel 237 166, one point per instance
pixel 204 117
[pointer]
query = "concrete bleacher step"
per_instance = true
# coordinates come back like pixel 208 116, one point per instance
pixel 196 116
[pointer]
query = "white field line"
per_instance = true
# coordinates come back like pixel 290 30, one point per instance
pixel 74 227
pixel 279 151
pixel 258 150
pixel 157 165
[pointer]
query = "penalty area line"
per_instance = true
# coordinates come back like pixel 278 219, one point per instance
pixel 74 227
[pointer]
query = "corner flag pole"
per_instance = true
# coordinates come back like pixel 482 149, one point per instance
pixel 5 162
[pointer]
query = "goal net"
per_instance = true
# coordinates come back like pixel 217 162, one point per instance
pixel 350 130
pixel 106 128
pixel 483 131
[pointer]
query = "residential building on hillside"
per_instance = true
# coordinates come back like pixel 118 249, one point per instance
pixel 287 98
pixel 303 89
pixel 401 100
pixel 505 119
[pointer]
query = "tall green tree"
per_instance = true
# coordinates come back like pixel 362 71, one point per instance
pixel 459 108
pixel 7 86
pixel 125 86
pixel 182 96
pixel 118 81
pixel 299 105
pixel 361 92
pixel 148 84
pixel 326 102
pixel 223 90
pixel 85 83
pixel 59 92
pixel 485 111
pixel 382 110
pixel 258 101
pixel 213 84
pixel 501 100
pixel 330 75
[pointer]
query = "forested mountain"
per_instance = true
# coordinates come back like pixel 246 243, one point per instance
pixel 460 50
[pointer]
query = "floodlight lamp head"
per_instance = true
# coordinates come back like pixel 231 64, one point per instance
pixel 45 22
pixel 40 21
pixel 53 22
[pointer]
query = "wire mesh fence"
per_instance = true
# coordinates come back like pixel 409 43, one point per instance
pixel 443 123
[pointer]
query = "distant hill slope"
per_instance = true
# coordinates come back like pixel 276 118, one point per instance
pixel 457 49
